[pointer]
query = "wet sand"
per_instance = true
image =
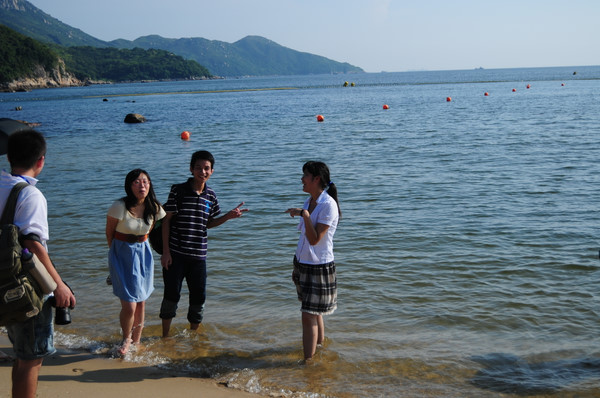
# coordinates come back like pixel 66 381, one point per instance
pixel 80 374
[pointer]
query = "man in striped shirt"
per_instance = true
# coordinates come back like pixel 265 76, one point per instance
pixel 192 208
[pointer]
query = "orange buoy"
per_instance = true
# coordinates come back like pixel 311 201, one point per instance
pixel 448 99
pixel 185 135
pixel 529 86
pixel 486 94
pixel 320 118
pixel 385 106
pixel 514 90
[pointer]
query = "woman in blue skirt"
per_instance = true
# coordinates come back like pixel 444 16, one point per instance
pixel 130 261
pixel 314 269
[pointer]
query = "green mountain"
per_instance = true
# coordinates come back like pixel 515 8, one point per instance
pixel 28 64
pixel 21 55
pixel 129 65
pixel 25 18
pixel 250 56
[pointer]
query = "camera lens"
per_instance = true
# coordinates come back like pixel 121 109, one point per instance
pixel 63 315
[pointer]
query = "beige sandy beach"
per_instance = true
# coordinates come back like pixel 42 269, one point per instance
pixel 71 374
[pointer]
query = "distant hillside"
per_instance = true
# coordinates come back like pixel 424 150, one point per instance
pixel 22 55
pixel 250 56
pixel 137 64
pixel 28 64
pixel 25 18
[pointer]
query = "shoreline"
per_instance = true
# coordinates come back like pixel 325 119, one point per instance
pixel 81 374
pixel 30 84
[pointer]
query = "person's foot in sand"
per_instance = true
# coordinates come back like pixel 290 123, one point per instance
pixel 124 348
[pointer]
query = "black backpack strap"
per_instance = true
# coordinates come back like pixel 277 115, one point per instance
pixel 180 190
pixel 8 215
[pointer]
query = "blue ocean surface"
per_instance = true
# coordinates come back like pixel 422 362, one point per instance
pixel 467 253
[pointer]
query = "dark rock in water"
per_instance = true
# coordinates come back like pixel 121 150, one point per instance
pixel 134 118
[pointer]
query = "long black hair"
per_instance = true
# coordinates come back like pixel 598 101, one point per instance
pixel 151 204
pixel 320 169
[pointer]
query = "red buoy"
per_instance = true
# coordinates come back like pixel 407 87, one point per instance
pixel 486 94
pixel 448 99
pixel 385 106
pixel 320 118
pixel 514 90
pixel 185 135
pixel 529 86
pixel 562 85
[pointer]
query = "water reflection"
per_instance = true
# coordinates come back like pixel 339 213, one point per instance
pixel 511 374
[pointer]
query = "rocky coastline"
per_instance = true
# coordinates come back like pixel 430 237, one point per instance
pixel 42 78
pixel 55 79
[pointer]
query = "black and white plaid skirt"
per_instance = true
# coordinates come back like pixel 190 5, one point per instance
pixel 316 286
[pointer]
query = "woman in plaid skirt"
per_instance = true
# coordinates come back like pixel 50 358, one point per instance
pixel 314 269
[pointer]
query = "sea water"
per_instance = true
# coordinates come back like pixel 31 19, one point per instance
pixel 467 252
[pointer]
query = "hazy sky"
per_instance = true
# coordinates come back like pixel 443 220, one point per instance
pixel 376 35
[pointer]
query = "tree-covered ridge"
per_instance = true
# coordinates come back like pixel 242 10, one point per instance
pixel 21 55
pixel 24 17
pixel 129 65
pixel 250 56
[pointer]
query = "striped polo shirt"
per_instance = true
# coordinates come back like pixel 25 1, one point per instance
pixel 189 235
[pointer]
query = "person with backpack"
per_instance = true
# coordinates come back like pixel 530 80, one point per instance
pixel 32 339
pixel 192 208
pixel 130 258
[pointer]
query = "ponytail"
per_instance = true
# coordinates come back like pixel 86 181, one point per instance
pixel 332 191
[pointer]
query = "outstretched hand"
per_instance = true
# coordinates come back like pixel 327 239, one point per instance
pixel 237 212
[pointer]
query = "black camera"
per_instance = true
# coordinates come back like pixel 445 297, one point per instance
pixel 63 314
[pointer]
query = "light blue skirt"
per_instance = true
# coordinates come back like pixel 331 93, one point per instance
pixel 131 270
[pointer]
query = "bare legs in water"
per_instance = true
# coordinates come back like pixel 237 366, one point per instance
pixel 131 314
pixel 313 333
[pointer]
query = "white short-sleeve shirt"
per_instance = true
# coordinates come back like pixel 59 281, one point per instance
pixel 326 212
pixel 31 213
